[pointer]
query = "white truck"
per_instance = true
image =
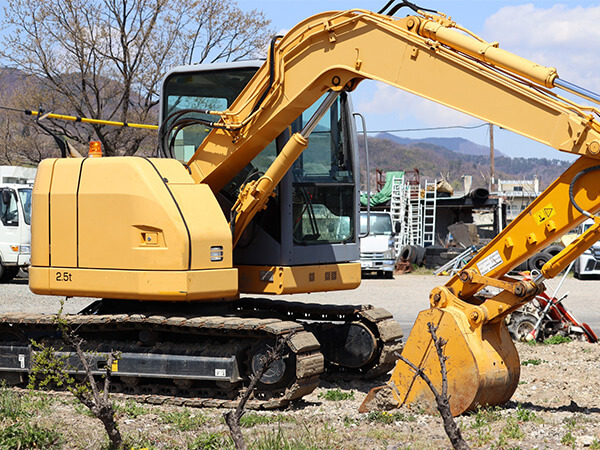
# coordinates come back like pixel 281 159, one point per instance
pixel 15 221
pixel 377 252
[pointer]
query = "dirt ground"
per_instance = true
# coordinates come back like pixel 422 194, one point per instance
pixel 556 405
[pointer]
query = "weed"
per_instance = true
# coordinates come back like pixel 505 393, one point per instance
pixel 525 415
pixel 595 445
pixel 82 409
pixel 485 416
pixel 11 404
pixel 531 343
pixel 131 409
pixel 25 435
pixel 484 436
pixel 533 362
pixel 336 395
pixel 387 417
pixel 276 440
pixel 570 422
pixel 568 439
pixel 512 429
pixel 558 339
pixel 211 441
pixel 349 421
pixel 184 420
pixel 252 419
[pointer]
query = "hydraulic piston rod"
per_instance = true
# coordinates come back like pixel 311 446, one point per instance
pixel 574 89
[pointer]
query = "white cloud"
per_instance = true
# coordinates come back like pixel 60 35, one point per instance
pixel 560 36
pixel 388 100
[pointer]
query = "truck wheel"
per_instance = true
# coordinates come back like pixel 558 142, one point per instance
pixel 536 262
pixel 7 273
pixel 420 257
pixel 409 253
pixel 554 249
pixel 577 270
pixel 521 325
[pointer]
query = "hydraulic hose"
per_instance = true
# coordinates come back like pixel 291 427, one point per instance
pixel 572 188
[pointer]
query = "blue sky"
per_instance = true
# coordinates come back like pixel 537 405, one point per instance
pixel 563 35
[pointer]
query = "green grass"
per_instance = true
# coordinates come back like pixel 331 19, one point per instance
pixel 252 419
pixel 15 405
pixel 211 441
pixel 277 440
pixel 558 339
pixel 336 395
pixel 568 439
pixel 12 405
pixel 183 420
pixel 485 416
pixel 387 417
pixel 512 429
pixel 533 362
pixel 131 409
pixel 525 415
pixel 24 435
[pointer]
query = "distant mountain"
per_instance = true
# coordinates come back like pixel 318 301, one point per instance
pixel 456 144
pixel 435 161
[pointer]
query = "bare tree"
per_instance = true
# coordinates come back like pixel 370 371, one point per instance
pixel 105 59
pixel 20 140
pixel 50 368
pixel 442 398
pixel 232 418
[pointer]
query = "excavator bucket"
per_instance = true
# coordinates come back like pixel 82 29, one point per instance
pixel 482 366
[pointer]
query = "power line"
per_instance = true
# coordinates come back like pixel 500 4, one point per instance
pixel 429 129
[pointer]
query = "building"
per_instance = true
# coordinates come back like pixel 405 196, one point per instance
pixel 517 194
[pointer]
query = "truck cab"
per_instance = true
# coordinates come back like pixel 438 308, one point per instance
pixel 377 252
pixel 15 229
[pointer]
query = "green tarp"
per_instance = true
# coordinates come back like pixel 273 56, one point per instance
pixel 383 196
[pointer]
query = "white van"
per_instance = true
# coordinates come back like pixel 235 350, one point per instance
pixel 588 264
pixel 15 229
pixel 377 253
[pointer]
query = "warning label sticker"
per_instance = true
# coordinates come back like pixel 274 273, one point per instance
pixel 489 263
pixel 544 214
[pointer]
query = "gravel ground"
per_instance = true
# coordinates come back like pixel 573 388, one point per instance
pixel 556 405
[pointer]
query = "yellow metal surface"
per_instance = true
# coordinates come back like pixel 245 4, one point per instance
pixel 40 227
pixel 483 365
pixel 135 284
pixel 63 211
pixel 298 279
pixel 126 219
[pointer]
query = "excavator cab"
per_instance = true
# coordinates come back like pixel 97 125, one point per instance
pixel 312 219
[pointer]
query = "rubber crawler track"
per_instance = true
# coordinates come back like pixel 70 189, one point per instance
pixel 302 345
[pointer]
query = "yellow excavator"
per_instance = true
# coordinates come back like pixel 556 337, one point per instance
pixel 174 250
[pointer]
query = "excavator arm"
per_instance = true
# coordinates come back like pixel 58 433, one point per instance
pixel 427 56
pixel 430 56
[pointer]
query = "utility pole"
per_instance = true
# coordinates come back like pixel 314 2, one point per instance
pixel 492 170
